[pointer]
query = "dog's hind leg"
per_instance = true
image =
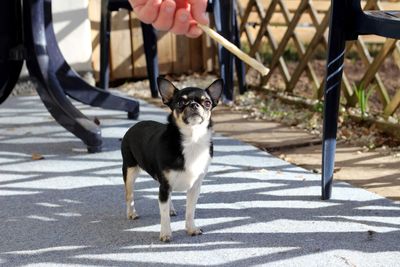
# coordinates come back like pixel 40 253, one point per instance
pixel 172 210
pixel 130 175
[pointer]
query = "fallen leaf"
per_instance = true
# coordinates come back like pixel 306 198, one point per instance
pixel 96 121
pixel 316 171
pixel 37 156
pixel 336 169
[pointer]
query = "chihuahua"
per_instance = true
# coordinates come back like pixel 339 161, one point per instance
pixel 176 154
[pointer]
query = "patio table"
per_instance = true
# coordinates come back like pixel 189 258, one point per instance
pixel 27 34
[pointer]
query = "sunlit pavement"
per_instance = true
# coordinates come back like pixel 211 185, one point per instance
pixel 68 208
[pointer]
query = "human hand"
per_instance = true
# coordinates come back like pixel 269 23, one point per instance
pixel 166 15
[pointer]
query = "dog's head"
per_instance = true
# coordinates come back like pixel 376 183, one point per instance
pixel 191 105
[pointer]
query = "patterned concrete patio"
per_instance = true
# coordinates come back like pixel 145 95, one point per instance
pixel 68 208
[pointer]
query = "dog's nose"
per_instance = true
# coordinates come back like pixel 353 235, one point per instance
pixel 194 105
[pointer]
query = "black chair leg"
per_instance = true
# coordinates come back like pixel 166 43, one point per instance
pixel 150 50
pixel 104 45
pixel 223 23
pixel 336 49
pixel 240 68
pixel 50 90
pixel 9 74
pixel 226 25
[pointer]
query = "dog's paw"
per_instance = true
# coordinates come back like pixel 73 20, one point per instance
pixel 194 231
pixel 173 213
pixel 132 216
pixel 165 238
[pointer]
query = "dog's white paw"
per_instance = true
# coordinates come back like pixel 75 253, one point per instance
pixel 132 215
pixel 194 231
pixel 172 212
pixel 165 238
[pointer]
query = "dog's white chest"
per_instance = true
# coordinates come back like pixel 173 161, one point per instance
pixel 197 159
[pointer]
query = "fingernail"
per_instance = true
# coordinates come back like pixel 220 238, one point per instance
pixel 196 31
pixel 183 17
pixel 205 16
pixel 169 9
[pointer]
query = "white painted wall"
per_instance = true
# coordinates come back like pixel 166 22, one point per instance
pixel 72 28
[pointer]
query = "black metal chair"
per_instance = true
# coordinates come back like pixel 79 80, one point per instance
pixel 347 22
pixel 149 41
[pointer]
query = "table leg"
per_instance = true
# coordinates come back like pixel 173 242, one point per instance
pixel 11 49
pixel 41 66
pixel 73 85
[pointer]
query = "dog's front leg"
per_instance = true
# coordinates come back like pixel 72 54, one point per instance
pixel 164 203
pixel 191 201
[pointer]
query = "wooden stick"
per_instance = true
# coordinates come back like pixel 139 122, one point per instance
pixel 234 50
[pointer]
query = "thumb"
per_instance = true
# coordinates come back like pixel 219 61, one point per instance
pixel 198 11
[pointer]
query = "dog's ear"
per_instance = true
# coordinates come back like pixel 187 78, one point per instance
pixel 215 91
pixel 166 89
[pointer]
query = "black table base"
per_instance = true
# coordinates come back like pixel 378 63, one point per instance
pixel 26 33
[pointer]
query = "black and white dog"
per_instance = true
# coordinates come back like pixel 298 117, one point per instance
pixel 176 154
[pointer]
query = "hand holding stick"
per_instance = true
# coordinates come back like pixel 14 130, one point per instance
pixel 225 43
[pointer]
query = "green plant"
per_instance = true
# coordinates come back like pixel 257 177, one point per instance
pixel 362 95
pixel 319 107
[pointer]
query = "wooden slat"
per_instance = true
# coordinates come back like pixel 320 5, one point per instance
pixel 164 52
pixel 317 39
pixel 120 45
pixel 274 45
pixel 264 24
pixel 393 105
pixel 208 52
pixel 195 55
pixel 137 49
pixel 181 53
pixel 396 55
pixel 94 17
pixel 288 35
pixel 367 60
pixel 387 48
pixel 301 50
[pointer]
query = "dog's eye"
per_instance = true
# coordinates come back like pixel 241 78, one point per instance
pixel 182 103
pixel 207 103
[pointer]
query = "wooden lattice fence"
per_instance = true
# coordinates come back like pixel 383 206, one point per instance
pixel 301 25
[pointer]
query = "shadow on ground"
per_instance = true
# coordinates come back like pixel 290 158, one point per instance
pixel 254 209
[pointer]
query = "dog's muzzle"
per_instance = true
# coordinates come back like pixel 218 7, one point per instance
pixel 193 114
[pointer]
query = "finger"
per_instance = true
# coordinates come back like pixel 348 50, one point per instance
pixel 148 12
pixel 181 22
pixel 137 3
pixel 166 16
pixel 194 31
pixel 198 11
